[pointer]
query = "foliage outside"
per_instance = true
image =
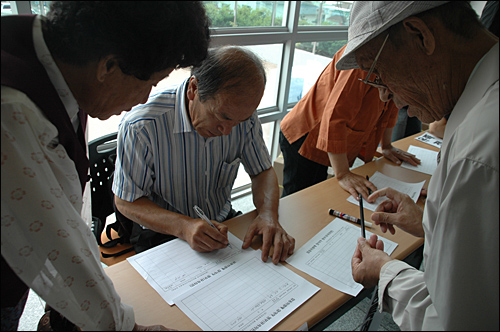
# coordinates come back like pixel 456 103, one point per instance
pixel 225 17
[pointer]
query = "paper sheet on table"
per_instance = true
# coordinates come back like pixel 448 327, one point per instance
pixel 327 256
pixel 428 160
pixel 430 139
pixel 174 267
pixel 254 296
pixel 381 181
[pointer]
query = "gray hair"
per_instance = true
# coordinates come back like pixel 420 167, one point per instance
pixel 231 69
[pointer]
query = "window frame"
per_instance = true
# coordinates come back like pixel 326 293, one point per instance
pixel 287 35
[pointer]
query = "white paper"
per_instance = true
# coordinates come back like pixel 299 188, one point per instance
pixel 173 268
pixel 428 160
pixel 381 181
pixel 327 256
pixel 254 296
pixel 430 139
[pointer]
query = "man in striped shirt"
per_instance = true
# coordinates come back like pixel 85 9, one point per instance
pixel 188 142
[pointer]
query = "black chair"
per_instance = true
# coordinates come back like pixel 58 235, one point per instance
pixel 102 154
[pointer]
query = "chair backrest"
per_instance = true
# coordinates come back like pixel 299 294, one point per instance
pixel 102 154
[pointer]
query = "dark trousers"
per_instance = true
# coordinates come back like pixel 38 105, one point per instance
pixel 299 172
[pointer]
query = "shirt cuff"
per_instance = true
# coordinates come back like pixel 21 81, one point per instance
pixel 388 272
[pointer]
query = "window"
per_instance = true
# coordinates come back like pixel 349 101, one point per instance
pixel 325 13
pixel 40 7
pixel 6 8
pixel 233 14
pixel 295 40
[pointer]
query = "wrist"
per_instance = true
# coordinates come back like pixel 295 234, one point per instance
pixel 386 146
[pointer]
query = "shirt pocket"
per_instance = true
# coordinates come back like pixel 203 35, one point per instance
pixel 228 173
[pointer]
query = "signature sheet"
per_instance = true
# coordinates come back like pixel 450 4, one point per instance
pixel 428 160
pixel 327 256
pixel 381 181
pixel 227 289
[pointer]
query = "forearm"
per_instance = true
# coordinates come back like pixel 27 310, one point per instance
pixel 437 127
pixel 339 163
pixel 405 296
pixel 387 139
pixel 150 215
pixel 265 193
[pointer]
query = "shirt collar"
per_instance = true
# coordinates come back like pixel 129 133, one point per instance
pixel 54 73
pixel 481 79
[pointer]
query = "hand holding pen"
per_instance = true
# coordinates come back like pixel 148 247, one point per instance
pixel 202 215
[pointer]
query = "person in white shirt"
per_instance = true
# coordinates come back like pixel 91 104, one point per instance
pixel 439 60
pixel 188 143
pixel 84 58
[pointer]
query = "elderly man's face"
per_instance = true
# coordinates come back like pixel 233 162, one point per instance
pixel 217 117
pixel 119 93
pixel 405 74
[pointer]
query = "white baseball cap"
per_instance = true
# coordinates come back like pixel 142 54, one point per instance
pixel 368 19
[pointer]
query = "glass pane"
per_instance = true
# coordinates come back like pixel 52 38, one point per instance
pixel 309 61
pixel 325 13
pixel 6 8
pixel 271 57
pixel 40 7
pixel 247 13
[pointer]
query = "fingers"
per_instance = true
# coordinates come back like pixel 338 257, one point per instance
pixel 266 245
pixel 287 245
pixel 394 158
pixel 399 155
pixel 372 241
pixel 387 192
pixel 206 238
pixel 247 240
pixel 356 184
pixel 412 159
pixel 218 235
pixel 272 237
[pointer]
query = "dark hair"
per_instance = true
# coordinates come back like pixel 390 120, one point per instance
pixel 230 69
pixel 457 16
pixel 145 36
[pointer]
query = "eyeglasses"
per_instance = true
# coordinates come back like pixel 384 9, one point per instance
pixel 378 82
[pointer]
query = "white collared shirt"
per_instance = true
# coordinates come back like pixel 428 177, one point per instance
pixel 460 286
pixel 44 238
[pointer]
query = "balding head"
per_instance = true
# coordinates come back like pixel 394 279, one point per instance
pixel 229 70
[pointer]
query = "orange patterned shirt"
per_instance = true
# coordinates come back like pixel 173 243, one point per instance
pixel 340 114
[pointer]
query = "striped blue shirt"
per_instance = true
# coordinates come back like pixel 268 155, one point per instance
pixel 162 157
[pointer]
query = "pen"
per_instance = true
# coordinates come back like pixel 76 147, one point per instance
pixel 369 190
pixel 348 217
pixel 202 215
pixel 362 212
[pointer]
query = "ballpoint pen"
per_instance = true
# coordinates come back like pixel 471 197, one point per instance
pixel 202 215
pixel 362 216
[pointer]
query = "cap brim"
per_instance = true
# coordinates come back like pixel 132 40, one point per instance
pixel 348 59
pixel 406 9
